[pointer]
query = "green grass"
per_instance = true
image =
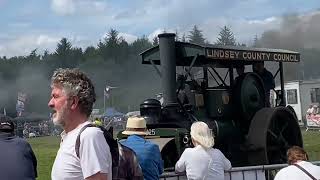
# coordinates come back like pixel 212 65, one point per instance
pixel 311 143
pixel 46 148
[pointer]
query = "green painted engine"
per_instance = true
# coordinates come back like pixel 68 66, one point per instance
pixel 246 130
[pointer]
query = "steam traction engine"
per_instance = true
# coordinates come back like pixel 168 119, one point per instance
pixel 246 131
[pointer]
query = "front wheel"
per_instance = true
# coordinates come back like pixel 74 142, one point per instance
pixel 170 154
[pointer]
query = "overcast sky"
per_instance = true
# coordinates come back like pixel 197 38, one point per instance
pixel 30 24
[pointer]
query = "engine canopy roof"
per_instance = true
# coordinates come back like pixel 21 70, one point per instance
pixel 220 56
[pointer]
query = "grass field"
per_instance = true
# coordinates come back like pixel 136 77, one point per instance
pixel 311 143
pixel 46 148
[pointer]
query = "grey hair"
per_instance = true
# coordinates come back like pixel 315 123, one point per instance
pixel 75 83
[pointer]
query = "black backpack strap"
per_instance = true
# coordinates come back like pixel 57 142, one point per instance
pixel 113 144
pixel 305 171
pixel 77 146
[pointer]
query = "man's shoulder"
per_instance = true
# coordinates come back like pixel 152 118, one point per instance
pixel 17 141
pixel 91 133
pixel 92 130
pixel 151 144
pixel 87 129
pixel 22 141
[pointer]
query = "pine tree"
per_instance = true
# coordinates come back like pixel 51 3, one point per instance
pixel 33 55
pixel 226 37
pixel 90 52
pixel 183 38
pixel 177 36
pixel 64 54
pixel 109 47
pixel 256 42
pixel 112 39
pixel 196 36
pixel 45 55
pixel 141 44
pixel 155 41
pixel 63 47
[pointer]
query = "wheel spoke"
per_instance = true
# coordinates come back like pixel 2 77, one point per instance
pixel 273 134
pixel 284 127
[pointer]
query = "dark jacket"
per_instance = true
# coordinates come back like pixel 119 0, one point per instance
pixel 17 160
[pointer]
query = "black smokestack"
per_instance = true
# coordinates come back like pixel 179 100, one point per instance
pixel 168 67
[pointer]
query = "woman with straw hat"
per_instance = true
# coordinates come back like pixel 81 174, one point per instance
pixel 203 161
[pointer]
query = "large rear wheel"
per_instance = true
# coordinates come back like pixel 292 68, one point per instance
pixel 272 132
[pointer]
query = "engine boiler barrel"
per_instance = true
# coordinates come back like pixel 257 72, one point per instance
pixel 168 67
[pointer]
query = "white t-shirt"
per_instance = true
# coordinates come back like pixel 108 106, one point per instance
pixel 294 173
pixel 200 164
pixel 94 155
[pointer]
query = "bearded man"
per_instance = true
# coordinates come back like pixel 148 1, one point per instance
pixel 72 98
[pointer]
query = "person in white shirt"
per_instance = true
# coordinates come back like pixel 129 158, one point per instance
pixel 298 158
pixel 203 161
pixel 72 98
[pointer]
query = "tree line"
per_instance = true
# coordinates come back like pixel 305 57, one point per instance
pixel 113 61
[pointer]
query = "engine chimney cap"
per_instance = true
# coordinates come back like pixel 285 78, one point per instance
pixel 166 35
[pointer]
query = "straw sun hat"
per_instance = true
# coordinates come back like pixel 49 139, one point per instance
pixel 136 125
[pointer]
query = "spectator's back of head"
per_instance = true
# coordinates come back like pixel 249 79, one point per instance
pixel 201 133
pixel 6 124
pixel 296 153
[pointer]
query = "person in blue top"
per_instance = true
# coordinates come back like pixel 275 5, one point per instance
pixel 148 153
